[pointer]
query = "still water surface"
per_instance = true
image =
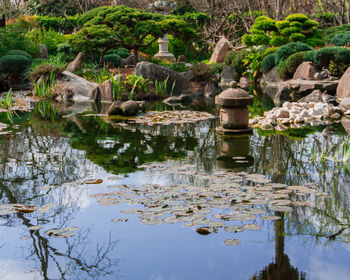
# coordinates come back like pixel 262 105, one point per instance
pixel 64 152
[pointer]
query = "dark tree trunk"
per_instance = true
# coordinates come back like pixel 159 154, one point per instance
pixel 136 56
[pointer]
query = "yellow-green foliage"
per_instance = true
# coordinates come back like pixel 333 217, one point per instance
pixel 295 28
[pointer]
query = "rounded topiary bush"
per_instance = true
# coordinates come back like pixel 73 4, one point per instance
pixel 269 51
pixel 15 65
pixel 123 52
pixel 291 48
pixel 19 52
pixel 341 39
pixel 278 41
pixel 113 58
pixel 268 63
pixel 338 55
pixel 286 69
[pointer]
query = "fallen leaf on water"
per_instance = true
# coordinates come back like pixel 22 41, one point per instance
pixel 25 208
pixel 93 181
pixel 205 230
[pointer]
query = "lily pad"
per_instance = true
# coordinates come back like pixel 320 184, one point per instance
pixel 232 242
pixel 251 227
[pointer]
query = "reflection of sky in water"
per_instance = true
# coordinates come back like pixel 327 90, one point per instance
pixel 130 250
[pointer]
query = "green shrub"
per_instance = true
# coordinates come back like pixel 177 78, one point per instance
pixel 268 63
pixel 297 37
pixel 14 65
pixel 341 39
pixel 66 52
pixel 314 42
pixel 113 58
pixel 235 59
pixel 278 41
pixel 310 56
pixel 295 28
pixel 123 52
pixel 14 37
pixel 260 40
pixel 50 38
pixel 247 40
pixel 59 24
pixel 269 51
pixel 282 24
pixel 287 68
pixel 297 17
pixel 291 48
pixel 337 55
pixel 19 52
pixel 264 23
pixel 329 33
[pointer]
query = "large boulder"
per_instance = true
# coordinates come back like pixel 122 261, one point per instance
pixel 306 71
pixel 80 87
pixel 346 124
pixel 104 92
pixel 315 96
pixel 77 63
pixel 343 89
pixel 300 88
pixel 220 51
pixel 155 72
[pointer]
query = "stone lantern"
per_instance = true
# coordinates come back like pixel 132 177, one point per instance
pixel 164 7
pixel 234 114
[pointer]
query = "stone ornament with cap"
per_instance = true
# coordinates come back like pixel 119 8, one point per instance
pixel 234 113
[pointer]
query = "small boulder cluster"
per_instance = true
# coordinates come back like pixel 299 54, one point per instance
pixel 297 114
pixel 128 108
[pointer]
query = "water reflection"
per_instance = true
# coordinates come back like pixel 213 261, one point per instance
pixel 52 149
pixel 281 267
pixel 235 153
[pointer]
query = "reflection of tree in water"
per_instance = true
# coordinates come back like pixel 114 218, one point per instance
pixel 121 150
pixel 281 267
pixel 289 161
pixel 38 157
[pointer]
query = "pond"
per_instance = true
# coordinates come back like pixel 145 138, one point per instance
pixel 116 200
